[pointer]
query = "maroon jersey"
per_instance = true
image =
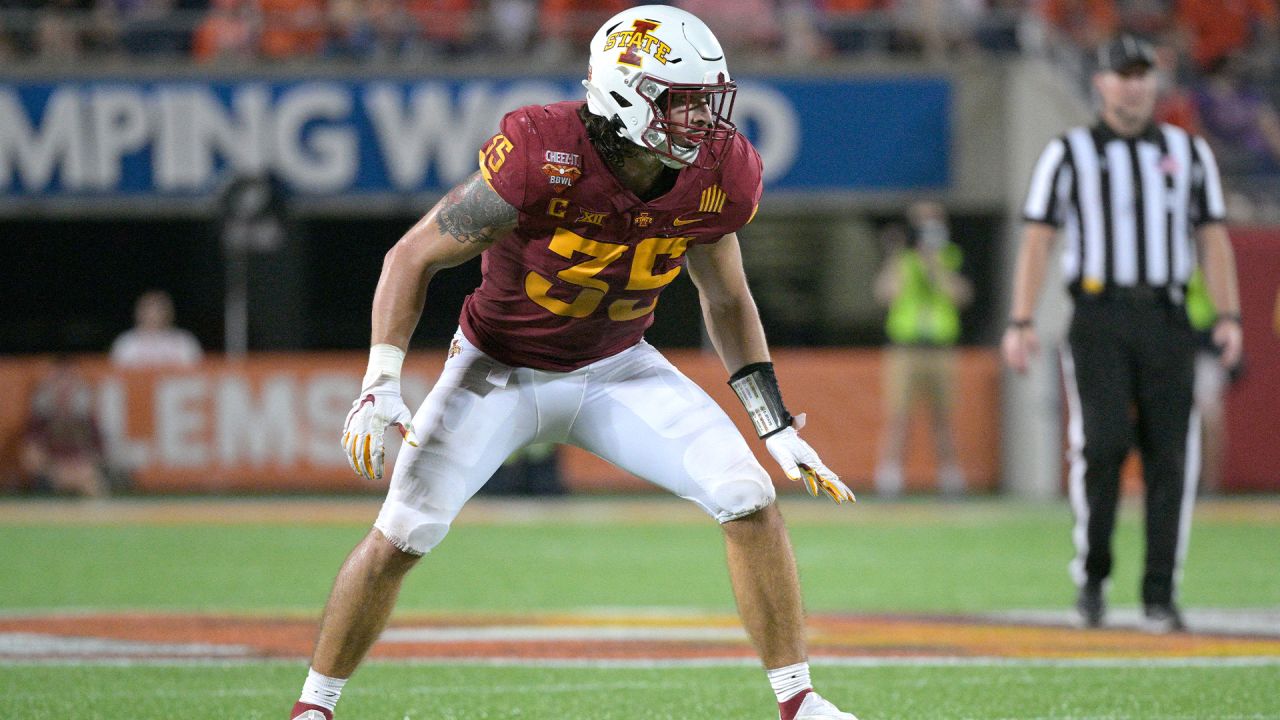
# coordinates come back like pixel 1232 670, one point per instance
pixel 579 278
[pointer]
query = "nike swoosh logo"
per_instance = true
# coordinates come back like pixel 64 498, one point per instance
pixel 678 221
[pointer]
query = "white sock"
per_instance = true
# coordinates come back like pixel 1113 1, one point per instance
pixel 788 681
pixel 323 690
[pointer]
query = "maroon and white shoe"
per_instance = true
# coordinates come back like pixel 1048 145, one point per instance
pixel 307 711
pixel 809 705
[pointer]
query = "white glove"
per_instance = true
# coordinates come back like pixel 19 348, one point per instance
pixel 800 462
pixel 378 407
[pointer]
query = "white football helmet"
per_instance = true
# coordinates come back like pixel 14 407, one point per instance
pixel 650 60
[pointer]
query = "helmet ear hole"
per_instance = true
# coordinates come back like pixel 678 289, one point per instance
pixel 619 99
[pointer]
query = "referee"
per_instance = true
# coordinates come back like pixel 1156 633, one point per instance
pixel 1128 196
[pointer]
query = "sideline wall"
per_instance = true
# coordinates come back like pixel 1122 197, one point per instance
pixel 1252 459
pixel 271 423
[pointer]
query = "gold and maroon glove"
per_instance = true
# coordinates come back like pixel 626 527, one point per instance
pixel 757 387
pixel 378 407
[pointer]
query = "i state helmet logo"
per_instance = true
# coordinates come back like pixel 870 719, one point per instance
pixel 638 40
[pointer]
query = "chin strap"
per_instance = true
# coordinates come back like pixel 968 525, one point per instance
pixel 672 156
pixel 671 162
pixel 757 387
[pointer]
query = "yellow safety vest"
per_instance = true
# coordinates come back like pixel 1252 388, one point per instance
pixel 922 313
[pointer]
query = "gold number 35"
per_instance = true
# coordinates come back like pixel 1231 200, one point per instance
pixel 566 242
pixel 493 155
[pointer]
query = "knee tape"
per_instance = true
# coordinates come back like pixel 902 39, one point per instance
pixel 411 530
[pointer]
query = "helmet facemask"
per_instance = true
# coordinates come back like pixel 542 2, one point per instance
pixel 688 119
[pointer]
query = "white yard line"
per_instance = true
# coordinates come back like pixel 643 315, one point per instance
pixel 41 645
pixel 1251 622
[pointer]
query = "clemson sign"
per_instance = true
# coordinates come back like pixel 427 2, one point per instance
pixel 270 423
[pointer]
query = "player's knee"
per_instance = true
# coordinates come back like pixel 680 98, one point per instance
pixel 747 491
pixel 411 530
pixel 426 536
pixel 1106 450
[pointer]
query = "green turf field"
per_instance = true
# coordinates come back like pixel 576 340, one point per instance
pixel 431 692
pixel 911 558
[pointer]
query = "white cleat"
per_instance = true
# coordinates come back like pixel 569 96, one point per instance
pixel 815 707
pixel 311 715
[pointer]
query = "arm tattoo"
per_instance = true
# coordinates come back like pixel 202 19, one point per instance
pixel 473 213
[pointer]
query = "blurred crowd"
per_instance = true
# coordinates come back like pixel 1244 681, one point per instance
pixel 282 30
pixel 1220 57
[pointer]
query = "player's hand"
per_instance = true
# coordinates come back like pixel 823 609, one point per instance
pixel 800 462
pixel 1019 346
pixel 1230 340
pixel 378 407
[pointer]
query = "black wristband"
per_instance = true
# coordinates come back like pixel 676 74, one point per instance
pixel 757 387
pixel 1022 324
pixel 1233 317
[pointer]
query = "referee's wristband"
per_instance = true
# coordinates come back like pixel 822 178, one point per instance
pixel 757 387
pixel 1022 324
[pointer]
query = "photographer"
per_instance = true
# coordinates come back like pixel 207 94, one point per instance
pixel 921 285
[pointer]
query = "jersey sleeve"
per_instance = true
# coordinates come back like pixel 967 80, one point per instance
pixel 742 177
pixel 1043 203
pixel 1207 202
pixel 508 160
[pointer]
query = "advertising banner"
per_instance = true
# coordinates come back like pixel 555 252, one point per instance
pixel 271 423
pixel 176 139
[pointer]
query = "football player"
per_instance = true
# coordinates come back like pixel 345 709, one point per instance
pixel 582 214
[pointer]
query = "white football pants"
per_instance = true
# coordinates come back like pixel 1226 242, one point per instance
pixel 634 409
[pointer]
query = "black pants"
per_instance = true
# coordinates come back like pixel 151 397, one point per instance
pixel 1129 380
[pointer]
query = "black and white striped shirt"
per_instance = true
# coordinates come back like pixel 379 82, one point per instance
pixel 1127 206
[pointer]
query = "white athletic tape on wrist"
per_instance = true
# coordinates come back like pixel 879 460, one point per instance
pixel 757 388
pixel 384 360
